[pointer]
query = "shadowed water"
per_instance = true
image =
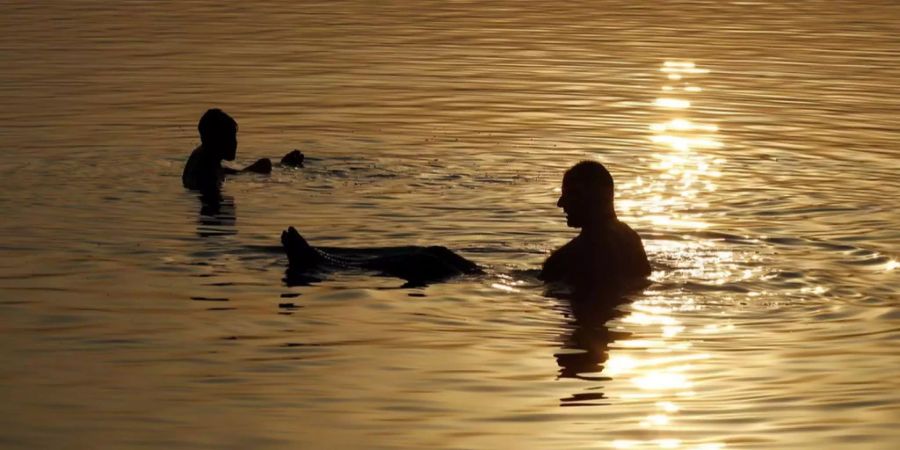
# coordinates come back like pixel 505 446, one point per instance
pixel 754 146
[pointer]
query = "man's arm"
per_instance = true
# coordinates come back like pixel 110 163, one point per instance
pixel 639 264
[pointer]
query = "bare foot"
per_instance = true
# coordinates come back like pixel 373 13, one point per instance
pixel 300 254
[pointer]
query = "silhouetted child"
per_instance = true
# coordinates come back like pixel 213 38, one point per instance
pixel 218 141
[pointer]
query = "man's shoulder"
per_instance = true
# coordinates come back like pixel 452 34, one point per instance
pixel 634 257
pixel 622 231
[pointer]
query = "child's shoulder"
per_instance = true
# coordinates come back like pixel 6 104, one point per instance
pixel 196 152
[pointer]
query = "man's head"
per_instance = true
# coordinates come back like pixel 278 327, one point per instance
pixel 587 194
pixel 218 133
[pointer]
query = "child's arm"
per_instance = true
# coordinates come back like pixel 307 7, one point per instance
pixel 263 165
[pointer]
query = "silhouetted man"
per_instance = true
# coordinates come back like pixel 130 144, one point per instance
pixel 218 141
pixel 606 253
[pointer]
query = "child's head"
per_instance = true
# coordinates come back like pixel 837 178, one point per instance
pixel 218 133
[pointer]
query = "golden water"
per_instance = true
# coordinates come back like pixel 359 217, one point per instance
pixel 754 145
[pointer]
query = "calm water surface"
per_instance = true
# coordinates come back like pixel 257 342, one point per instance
pixel 754 145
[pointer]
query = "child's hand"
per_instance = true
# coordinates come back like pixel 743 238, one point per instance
pixel 263 165
pixel 293 159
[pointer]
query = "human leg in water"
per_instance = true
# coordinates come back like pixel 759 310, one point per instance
pixel 416 264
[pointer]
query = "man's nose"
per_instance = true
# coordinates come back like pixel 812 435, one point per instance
pixel 559 202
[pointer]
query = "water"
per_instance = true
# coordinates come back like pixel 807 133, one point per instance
pixel 754 145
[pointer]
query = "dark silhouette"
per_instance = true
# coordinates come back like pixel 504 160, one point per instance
pixel 218 214
pixel 218 141
pixel 587 339
pixel 605 260
pixel 415 264
pixel 606 253
pixel 293 159
pixel 606 256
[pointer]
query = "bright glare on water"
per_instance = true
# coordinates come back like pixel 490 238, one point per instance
pixel 754 147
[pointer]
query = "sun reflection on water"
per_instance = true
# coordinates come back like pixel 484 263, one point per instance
pixel 669 200
pixel 660 366
pixel 675 103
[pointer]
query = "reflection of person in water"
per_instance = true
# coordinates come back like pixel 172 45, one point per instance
pixel 218 141
pixel 585 344
pixel 218 214
pixel 607 253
